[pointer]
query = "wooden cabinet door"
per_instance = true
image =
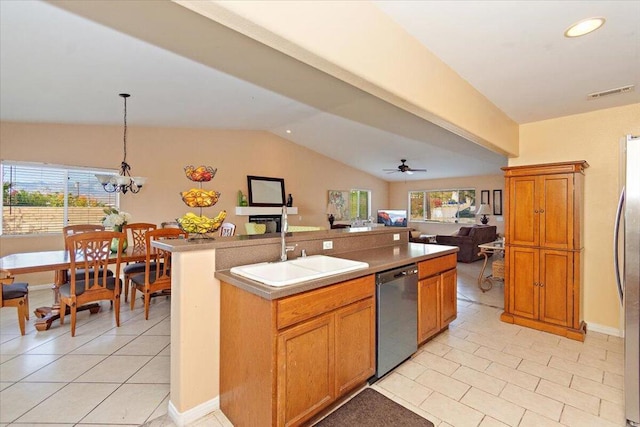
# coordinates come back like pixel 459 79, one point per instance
pixel 448 297
pixel 428 307
pixel 355 345
pixel 305 370
pixel 556 211
pixel 556 287
pixel 523 279
pixel 523 218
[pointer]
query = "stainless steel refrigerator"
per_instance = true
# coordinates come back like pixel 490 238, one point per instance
pixel 627 266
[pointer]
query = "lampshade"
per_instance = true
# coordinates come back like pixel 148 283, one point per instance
pixel 485 209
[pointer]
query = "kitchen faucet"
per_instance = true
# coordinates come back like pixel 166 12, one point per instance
pixel 283 232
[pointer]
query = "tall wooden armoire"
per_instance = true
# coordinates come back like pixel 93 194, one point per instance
pixel 543 247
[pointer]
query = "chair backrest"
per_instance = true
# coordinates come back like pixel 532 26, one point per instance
pixel 5 279
pixel 91 252
pixel 70 230
pixel 159 256
pixel 136 233
pixel 253 228
pixel 227 229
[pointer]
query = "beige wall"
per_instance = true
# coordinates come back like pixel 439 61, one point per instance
pixel 593 137
pixel 399 198
pixel 161 153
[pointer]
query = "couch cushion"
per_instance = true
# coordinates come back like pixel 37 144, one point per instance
pixel 464 231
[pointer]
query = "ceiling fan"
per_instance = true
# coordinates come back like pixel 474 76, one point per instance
pixel 404 168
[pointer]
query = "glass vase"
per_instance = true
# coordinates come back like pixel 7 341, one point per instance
pixel 114 242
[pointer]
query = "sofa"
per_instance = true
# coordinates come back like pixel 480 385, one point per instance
pixel 468 239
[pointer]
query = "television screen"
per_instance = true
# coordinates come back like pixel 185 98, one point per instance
pixel 392 217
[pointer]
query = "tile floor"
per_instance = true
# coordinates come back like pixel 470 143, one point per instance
pixel 480 372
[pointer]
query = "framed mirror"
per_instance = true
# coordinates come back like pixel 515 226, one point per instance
pixel 265 191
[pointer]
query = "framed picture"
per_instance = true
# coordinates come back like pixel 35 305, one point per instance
pixel 264 191
pixel 484 197
pixel 497 202
pixel 339 202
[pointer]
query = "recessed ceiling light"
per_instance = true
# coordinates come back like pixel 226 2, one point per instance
pixel 288 130
pixel 584 27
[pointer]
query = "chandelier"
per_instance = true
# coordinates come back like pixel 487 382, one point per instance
pixel 124 181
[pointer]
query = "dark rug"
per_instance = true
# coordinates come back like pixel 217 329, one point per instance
pixel 371 409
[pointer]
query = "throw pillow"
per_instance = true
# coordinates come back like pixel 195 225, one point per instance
pixel 464 231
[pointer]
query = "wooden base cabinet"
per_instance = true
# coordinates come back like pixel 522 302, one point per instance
pixel 284 361
pixel 437 295
pixel 543 247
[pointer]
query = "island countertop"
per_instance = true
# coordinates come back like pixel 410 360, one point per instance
pixel 379 259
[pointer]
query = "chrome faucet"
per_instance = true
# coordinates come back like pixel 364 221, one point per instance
pixel 284 225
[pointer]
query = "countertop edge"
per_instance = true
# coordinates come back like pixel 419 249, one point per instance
pixel 379 259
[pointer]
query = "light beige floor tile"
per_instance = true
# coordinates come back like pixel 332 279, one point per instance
pixel 482 340
pixel 493 406
pixel 24 365
pixel 62 345
pixel 608 366
pixel 452 412
pixel 556 375
pixel 100 425
pixel 479 380
pixel 166 351
pixel 410 369
pixel 161 410
pixel 411 391
pixel 490 422
pixel 21 344
pixel 467 359
pixel 436 363
pixel 104 344
pixel 209 421
pixel 573 417
pixel 457 343
pixel 532 401
pixel 584 349
pixel 527 354
pixel 443 384
pixel 579 369
pixel 162 328
pixel 436 347
pixel 222 418
pixel 613 380
pixel 114 369
pixel 538 338
pixel 145 345
pixel 424 414
pixel 65 369
pixel 615 357
pixel 129 404
pixel 157 371
pixel 615 346
pixel 5 384
pixel 6 357
pixel 613 412
pixel 575 398
pixel 557 351
pixel 499 357
pixel 602 391
pixel 513 376
pixel 70 404
pixel 532 419
pixel 21 397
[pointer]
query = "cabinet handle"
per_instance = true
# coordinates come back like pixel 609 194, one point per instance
pixel 541 284
pixel 541 210
pixel 535 283
pixel 536 211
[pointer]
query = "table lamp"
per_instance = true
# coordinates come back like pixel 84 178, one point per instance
pixel 331 211
pixel 484 210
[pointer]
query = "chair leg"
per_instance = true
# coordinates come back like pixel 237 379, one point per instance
pixel 147 302
pixel 126 284
pixel 21 316
pixel 133 295
pixel 26 306
pixel 63 311
pixel 73 319
pixel 117 307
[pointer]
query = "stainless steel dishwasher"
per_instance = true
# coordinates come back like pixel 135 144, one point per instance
pixel 397 317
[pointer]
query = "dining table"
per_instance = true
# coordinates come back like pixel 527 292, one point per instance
pixel 58 262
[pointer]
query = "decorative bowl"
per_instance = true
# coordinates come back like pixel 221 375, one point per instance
pixel 199 198
pixel 201 173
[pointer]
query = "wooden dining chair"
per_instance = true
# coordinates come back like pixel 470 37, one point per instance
pixel 15 295
pixel 227 229
pixel 71 230
pixel 156 279
pixel 90 253
pixel 135 233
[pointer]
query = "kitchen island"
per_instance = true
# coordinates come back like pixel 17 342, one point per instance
pixel 196 300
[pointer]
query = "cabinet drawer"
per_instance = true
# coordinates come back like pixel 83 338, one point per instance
pixel 297 308
pixel 434 266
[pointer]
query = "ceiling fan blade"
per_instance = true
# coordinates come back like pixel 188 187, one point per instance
pixel 418 170
pixel 409 172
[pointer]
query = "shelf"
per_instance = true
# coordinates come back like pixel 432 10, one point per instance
pixel 264 210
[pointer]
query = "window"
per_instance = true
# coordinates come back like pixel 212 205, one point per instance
pixel 360 204
pixel 39 198
pixel 456 206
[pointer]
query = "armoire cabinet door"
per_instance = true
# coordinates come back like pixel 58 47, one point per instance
pixel 523 218
pixel 556 211
pixel 523 279
pixel 556 287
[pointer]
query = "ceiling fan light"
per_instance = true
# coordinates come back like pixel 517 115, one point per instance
pixel 583 27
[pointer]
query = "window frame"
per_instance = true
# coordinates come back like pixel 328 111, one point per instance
pixel 358 204
pixel 425 209
pixel 113 199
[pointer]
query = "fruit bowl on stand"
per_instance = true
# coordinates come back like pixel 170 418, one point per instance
pixel 200 225
pixel 201 173
pixel 199 198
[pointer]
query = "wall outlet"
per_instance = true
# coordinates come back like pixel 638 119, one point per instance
pixel 396 236
pixel 327 244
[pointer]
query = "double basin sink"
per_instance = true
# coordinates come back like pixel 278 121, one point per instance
pixel 297 270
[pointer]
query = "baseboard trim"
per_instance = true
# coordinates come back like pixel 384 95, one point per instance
pixel 183 418
pixel 608 330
